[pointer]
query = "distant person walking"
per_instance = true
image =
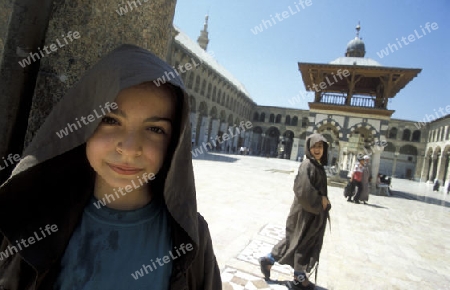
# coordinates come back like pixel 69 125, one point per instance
pixel 356 179
pixel 306 222
pixel 366 179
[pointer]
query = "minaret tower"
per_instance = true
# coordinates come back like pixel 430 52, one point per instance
pixel 203 39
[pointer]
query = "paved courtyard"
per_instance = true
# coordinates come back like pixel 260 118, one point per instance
pixel 397 242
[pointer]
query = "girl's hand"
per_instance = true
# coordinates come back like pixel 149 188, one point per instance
pixel 325 202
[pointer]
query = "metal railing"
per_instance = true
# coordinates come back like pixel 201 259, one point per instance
pixel 336 99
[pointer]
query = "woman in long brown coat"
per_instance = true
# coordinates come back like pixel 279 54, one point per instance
pixel 306 222
pixel 366 178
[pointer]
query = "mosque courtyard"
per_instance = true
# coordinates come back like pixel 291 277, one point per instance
pixel 396 242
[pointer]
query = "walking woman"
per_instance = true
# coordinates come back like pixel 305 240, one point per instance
pixel 306 222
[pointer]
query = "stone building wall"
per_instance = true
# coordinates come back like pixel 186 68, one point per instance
pixel 101 29
pixel 5 14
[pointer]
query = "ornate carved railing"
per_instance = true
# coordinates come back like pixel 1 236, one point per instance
pixel 336 99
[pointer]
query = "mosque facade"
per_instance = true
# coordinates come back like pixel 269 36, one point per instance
pixel 350 109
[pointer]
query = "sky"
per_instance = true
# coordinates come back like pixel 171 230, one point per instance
pixel 266 62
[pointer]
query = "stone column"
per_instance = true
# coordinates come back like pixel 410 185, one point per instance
pixel 441 168
pixel 394 164
pixel 433 168
pixel 213 132
pixel 425 169
pixel 419 167
pixel 447 178
pixel 294 150
pixel 202 130
pixel 376 156
pixel 223 129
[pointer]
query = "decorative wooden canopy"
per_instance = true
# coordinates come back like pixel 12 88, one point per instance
pixel 374 81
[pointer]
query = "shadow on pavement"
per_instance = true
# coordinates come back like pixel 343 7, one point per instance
pixel 374 205
pixel 284 283
pixel 425 199
pixel 214 157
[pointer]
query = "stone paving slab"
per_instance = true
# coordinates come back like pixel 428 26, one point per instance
pixel 397 242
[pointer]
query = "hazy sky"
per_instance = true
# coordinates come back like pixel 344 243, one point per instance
pixel 266 62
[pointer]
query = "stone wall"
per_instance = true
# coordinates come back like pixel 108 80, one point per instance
pixel 147 24
pixel 5 14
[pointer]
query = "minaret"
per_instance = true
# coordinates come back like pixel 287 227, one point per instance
pixel 203 39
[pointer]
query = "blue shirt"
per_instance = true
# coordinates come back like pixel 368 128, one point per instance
pixel 114 249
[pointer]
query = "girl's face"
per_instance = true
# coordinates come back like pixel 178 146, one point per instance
pixel 317 150
pixel 131 142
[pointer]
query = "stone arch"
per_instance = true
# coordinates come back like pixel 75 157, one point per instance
pixel 416 136
pixel 219 94
pixel 328 122
pixel 213 112
pixel 197 84
pixel 203 90
pixel 223 116
pixel 262 117
pixel 437 151
pixel 408 150
pixel 286 144
pixel 406 135
pixel 230 120
pixel 203 109
pixel 257 130
pixel 294 121
pixel 287 121
pixel 190 82
pixel 270 146
pixel 390 147
pixel 371 129
pixel 208 94
pixel 214 94
pixel 393 133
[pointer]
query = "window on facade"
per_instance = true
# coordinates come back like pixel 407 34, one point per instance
pixel 203 88
pixel 278 119
pixel 416 136
pixel 406 135
pixel 262 117
pixel 197 84
pixel 190 80
pixel 294 121
pixel 209 91
pixel 288 120
pixel 214 94
pixel 305 122
pixel 393 133
pixel 271 118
